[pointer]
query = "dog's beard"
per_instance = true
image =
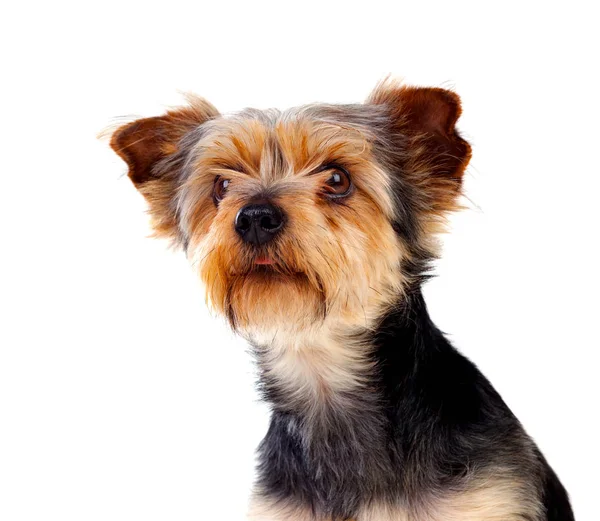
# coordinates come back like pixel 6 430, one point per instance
pixel 296 284
pixel 264 301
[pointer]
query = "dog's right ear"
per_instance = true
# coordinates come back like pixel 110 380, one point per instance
pixel 146 145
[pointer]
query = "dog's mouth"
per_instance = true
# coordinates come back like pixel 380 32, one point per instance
pixel 264 260
pixel 270 266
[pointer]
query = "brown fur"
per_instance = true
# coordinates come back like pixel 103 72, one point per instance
pixel 280 158
pixel 144 143
pixel 284 163
pixel 339 264
pixel 437 156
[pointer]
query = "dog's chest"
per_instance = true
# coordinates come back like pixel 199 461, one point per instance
pixel 328 439
pixel 334 459
pixel 492 499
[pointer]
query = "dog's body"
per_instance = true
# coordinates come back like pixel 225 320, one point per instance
pixel 312 230
pixel 424 438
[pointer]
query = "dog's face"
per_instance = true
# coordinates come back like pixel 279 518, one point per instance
pixel 320 214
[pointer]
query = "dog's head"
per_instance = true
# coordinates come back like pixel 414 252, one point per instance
pixel 319 213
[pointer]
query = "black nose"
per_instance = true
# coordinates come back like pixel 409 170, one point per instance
pixel 258 223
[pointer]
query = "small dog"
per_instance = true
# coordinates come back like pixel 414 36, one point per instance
pixel 313 230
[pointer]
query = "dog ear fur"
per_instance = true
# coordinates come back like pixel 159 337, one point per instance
pixel 150 148
pixel 144 142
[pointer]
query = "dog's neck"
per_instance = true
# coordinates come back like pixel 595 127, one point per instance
pixel 336 406
pixel 332 367
pixel 313 373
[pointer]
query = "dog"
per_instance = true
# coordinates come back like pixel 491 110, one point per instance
pixel 313 230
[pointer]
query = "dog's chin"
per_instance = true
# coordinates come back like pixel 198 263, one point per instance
pixel 265 300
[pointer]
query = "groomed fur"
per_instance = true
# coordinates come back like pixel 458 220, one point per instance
pixel 376 417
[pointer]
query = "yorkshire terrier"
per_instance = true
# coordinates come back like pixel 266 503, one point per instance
pixel 313 230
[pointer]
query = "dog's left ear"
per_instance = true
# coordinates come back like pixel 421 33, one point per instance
pixel 431 153
pixel 154 150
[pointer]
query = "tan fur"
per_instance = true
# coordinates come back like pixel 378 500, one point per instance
pixel 491 498
pixel 334 260
pixel 264 510
pixel 144 142
pixel 437 156
pixel 315 368
pixel 495 498
pixel 338 265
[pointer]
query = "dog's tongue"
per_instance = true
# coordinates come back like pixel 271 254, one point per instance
pixel 263 260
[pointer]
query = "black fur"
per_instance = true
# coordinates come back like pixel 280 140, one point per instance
pixel 555 497
pixel 426 421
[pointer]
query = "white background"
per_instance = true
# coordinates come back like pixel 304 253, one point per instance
pixel 120 397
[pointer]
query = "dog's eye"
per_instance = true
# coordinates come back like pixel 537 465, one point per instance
pixel 338 184
pixel 220 188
